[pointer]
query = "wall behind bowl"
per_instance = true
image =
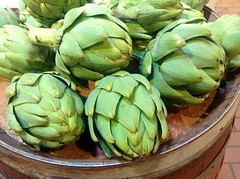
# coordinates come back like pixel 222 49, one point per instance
pixel 9 3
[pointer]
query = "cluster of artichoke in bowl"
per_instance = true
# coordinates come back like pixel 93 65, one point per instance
pixel 50 50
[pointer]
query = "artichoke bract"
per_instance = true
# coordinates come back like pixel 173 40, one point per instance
pixel 228 26
pixel 196 4
pixel 7 16
pixel 26 18
pixel 90 44
pixel 194 15
pixel 18 55
pixel 47 12
pixel 126 116
pixel 45 110
pixel 184 63
pixel 142 17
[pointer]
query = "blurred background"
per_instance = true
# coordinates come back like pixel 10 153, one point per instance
pixel 9 3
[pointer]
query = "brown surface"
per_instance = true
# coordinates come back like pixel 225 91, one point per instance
pixel 199 165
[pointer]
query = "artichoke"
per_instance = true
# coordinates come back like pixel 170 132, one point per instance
pixel 196 4
pixel 142 17
pixel 194 15
pixel 126 115
pixel 47 12
pixel 18 55
pixel 26 18
pixel 184 63
pixel 90 44
pixel 228 26
pixel 45 110
pixel 7 16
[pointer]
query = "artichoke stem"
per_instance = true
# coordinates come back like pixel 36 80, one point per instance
pixel 45 37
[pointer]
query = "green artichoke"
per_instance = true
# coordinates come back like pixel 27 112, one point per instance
pixel 18 55
pixel 142 17
pixel 47 11
pixel 126 115
pixel 228 26
pixel 45 110
pixel 194 15
pixel 26 18
pixel 196 4
pixel 184 63
pixel 7 16
pixel 90 44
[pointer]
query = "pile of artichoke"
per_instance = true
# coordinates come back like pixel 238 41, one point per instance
pixel 143 57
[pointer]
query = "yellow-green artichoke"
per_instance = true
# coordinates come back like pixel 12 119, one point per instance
pixel 18 55
pixel 45 110
pixel 196 4
pixel 126 115
pixel 47 11
pixel 228 26
pixel 184 63
pixel 7 16
pixel 90 44
pixel 142 17
pixel 194 15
